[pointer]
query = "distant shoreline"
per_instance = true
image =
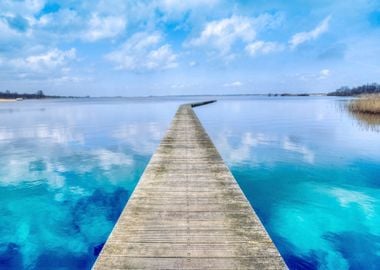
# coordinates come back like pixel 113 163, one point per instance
pixel 220 95
pixel 7 100
pixel 341 92
pixel 167 96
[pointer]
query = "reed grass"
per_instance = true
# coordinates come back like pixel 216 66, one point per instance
pixel 369 104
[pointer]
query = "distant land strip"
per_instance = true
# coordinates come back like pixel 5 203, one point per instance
pixel 373 88
pixel 37 95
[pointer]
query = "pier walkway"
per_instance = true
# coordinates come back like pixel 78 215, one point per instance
pixel 188 212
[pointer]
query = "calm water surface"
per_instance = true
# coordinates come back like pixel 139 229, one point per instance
pixel 67 168
pixel 311 172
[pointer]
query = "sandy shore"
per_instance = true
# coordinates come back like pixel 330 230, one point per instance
pixel 7 100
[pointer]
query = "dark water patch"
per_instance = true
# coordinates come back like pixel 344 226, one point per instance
pixel 101 202
pixel 310 261
pixel 254 196
pixel 37 166
pixel 84 224
pixel 302 262
pixel 10 256
pixel 361 250
pixel 257 185
pixel 74 178
pixel 57 260
pixel 97 249
pixel 368 173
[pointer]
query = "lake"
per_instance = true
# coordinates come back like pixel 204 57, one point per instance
pixel 68 166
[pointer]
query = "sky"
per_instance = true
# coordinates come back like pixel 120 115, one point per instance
pixel 171 47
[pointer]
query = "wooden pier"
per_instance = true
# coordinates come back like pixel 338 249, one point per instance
pixel 188 212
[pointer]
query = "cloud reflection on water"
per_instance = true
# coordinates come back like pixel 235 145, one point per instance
pixel 310 173
pixel 65 174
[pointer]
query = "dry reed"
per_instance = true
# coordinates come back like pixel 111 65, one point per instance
pixel 369 104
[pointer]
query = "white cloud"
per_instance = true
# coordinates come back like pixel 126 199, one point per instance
pixel 9 37
pixel 89 20
pixel 144 51
pixel 162 57
pixel 227 34
pixel 17 169
pixel 318 75
pixel 43 62
pixel 324 73
pixel 263 47
pixel 52 134
pixel 303 37
pixel 233 84
pixel 240 152
pixel 180 5
pixel 222 34
pixel 26 7
pixel 38 64
pixel 104 27
pixel 68 24
pixel 347 197
pixel 131 134
pixel 108 158
pixel 292 146
pixel 70 79
pixel 177 86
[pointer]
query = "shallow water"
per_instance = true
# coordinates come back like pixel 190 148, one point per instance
pixel 67 168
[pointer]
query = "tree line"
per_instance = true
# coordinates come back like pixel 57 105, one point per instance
pixel 37 95
pixel 12 95
pixel 373 88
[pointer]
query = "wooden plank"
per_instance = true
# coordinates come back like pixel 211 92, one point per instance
pixel 188 212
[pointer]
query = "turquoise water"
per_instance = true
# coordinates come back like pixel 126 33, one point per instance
pixel 67 168
pixel 311 172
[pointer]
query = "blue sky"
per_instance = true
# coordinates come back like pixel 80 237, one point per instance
pixel 135 48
